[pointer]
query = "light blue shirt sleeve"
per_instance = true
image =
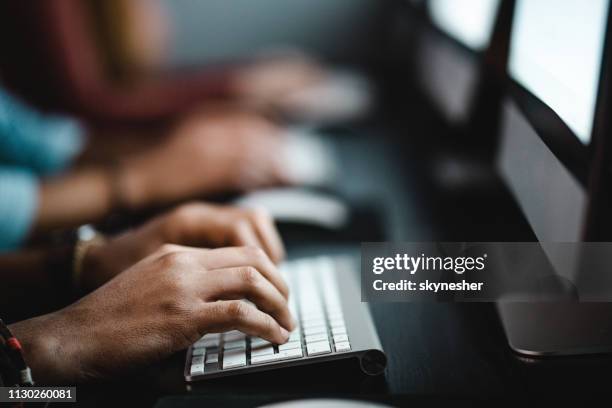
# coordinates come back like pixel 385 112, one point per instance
pixel 18 205
pixel 46 144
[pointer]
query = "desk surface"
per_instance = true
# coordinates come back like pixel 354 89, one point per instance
pixel 435 351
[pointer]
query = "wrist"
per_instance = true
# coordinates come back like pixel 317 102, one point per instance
pixel 131 185
pixel 46 350
pixel 88 268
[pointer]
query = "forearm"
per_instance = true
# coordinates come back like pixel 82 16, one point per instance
pixel 78 197
pixel 113 143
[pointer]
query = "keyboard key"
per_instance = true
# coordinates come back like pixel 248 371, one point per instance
pixel 197 369
pixel 281 355
pixel 336 331
pixel 290 354
pixel 290 345
pixel 307 327
pixel 315 330
pixel 313 320
pixel 308 319
pixel 295 335
pixel 236 344
pixel 313 324
pixel 317 337
pixel 340 338
pixel 310 327
pixel 212 358
pixel 264 358
pixel 211 367
pixel 262 351
pixel 198 351
pixel 233 336
pixel 207 341
pixel 258 341
pixel 233 359
pixel 321 347
pixel 344 346
pixel 197 360
pixel 311 305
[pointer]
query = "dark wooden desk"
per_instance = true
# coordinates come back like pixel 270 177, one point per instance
pixel 437 352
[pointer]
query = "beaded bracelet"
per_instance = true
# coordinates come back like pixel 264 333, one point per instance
pixel 11 348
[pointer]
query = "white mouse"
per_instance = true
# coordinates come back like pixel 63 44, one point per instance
pixel 309 159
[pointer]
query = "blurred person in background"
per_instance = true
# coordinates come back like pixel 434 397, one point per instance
pixel 191 151
pixel 173 148
pixel 104 60
pixel 204 154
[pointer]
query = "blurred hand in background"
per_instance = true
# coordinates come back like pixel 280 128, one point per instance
pixel 206 153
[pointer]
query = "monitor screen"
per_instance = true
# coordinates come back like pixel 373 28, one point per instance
pixel 556 54
pixel 471 22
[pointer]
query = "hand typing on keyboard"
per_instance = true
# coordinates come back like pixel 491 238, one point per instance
pixel 159 306
pixel 321 330
pixel 194 224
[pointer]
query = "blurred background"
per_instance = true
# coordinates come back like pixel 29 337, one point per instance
pixel 216 30
pixel 394 108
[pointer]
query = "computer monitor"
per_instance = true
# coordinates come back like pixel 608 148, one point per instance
pixel 450 60
pixel 555 125
pixel 469 22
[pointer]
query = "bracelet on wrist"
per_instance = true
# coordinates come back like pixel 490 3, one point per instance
pixel 87 236
pixel 13 367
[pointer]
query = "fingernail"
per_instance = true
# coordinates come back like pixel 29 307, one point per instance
pixel 284 334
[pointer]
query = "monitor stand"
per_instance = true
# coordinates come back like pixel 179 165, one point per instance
pixel 557 329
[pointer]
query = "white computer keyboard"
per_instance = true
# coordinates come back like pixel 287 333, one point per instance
pixel 321 329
